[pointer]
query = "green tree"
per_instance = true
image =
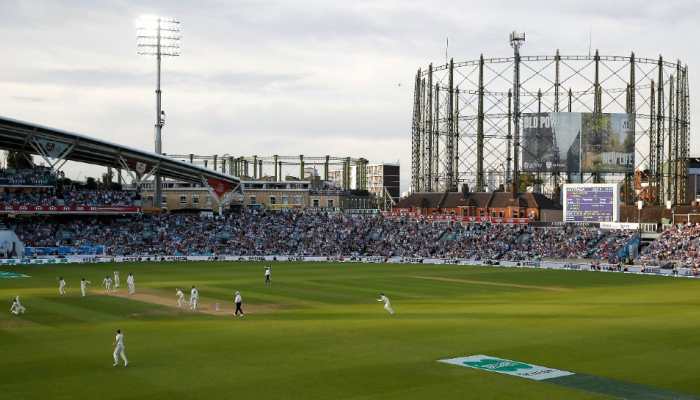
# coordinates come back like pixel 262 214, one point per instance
pixel 18 160
pixel 91 183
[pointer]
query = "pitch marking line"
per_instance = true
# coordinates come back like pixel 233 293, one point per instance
pixel 491 283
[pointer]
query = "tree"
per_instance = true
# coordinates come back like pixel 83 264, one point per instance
pixel 18 160
pixel 91 183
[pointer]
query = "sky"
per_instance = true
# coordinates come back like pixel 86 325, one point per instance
pixel 292 77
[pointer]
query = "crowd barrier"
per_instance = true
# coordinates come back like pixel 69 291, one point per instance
pixel 537 264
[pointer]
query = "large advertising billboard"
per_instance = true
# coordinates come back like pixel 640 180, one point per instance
pixel 553 142
pixel 591 202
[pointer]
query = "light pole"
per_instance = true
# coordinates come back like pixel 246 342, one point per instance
pixel 158 36
pixel 516 41
pixel 669 206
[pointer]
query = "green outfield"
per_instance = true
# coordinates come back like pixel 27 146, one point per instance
pixel 319 333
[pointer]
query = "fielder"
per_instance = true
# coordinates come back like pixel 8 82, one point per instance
pixel 194 298
pixel 107 283
pixel 387 303
pixel 180 298
pixel 61 286
pixel 268 273
pixel 17 307
pixel 119 349
pixel 130 283
pixel 116 279
pixel 239 303
pixel 83 286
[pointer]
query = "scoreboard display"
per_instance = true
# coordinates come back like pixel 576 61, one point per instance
pixel 591 202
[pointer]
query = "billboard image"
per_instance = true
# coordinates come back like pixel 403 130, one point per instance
pixel 553 142
pixel 608 142
pixel 591 202
pixel 547 139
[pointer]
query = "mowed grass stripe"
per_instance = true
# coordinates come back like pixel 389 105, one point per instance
pixel 491 283
pixel 335 341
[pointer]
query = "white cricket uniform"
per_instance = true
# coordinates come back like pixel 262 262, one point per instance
pixel 83 287
pixel 180 298
pixel 107 283
pixel 130 284
pixel 387 304
pixel 61 287
pixel 17 307
pixel 268 272
pixel 119 350
pixel 194 298
pixel 116 279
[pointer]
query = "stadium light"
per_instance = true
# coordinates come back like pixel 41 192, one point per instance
pixel 517 40
pixel 640 205
pixel 158 36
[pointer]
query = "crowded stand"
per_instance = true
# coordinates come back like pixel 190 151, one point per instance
pixel 678 246
pixel 40 186
pixel 37 176
pixel 78 197
pixel 312 233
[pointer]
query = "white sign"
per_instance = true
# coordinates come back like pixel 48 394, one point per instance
pixel 508 367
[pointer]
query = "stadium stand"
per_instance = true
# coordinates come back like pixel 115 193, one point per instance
pixel 31 177
pixel 678 246
pixel 310 233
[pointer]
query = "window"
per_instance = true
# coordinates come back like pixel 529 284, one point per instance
pixel 183 199
pixel 285 200
pixel 273 200
pixel 195 199
pixel 252 200
pixel 316 203
pixel 330 203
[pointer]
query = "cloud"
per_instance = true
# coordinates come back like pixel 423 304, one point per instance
pixel 310 77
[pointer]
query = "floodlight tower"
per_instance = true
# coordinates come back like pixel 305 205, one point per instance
pixel 158 36
pixel 516 41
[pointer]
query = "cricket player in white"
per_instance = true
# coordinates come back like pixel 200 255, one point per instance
pixel 268 273
pixel 17 307
pixel 61 286
pixel 107 283
pixel 83 286
pixel 119 349
pixel 116 279
pixel 387 303
pixel 130 283
pixel 180 297
pixel 194 298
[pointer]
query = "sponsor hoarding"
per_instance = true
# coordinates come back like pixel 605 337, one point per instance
pixel 30 209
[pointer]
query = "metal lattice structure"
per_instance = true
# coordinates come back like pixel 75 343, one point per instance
pixel 467 117
pixel 256 167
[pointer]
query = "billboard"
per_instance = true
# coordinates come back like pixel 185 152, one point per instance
pixel 553 142
pixel 591 202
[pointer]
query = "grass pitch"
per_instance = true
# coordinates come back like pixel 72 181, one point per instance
pixel 318 332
